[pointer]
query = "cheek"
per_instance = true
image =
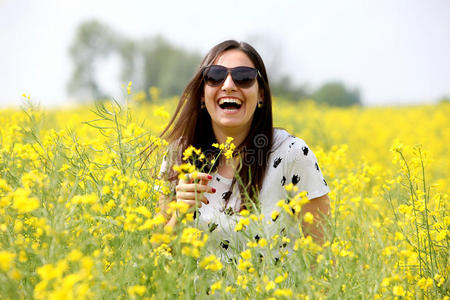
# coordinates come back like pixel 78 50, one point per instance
pixel 208 94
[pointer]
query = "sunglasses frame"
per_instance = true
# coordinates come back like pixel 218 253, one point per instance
pixel 229 71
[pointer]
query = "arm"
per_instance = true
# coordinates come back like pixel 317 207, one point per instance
pixel 320 208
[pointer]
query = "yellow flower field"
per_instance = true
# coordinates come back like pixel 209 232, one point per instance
pixel 79 216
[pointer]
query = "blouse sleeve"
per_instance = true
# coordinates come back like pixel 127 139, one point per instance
pixel 302 169
pixel 163 170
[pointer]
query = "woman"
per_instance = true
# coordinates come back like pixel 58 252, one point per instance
pixel 229 96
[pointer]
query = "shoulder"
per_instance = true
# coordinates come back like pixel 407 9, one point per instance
pixel 288 146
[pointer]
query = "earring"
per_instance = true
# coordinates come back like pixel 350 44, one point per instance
pixel 202 105
pixel 260 104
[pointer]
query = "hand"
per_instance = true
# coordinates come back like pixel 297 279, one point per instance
pixel 191 191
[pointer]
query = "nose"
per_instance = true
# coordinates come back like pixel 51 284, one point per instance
pixel 228 85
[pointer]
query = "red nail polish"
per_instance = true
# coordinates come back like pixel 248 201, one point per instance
pixel 209 177
pixel 213 190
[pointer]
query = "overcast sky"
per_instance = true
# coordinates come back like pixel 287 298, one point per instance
pixel 395 51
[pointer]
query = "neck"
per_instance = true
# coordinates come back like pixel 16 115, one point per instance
pixel 238 134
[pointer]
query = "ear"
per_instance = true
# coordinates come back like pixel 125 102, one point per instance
pixel 261 94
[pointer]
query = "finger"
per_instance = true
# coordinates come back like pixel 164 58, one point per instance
pixel 189 196
pixel 186 178
pixel 192 203
pixel 202 177
pixel 195 187
pixel 182 196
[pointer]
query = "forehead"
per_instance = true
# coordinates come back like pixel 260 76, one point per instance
pixel 233 58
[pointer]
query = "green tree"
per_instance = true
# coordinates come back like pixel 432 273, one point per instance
pixel 148 62
pixel 166 66
pixel 93 40
pixel 336 94
pixel 284 88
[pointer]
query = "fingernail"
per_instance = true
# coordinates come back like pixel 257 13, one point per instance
pixel 209 177
pixel 213 190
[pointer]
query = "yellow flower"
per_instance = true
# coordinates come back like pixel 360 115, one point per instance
pixel 425 283
pixel 229 153
pixel 75 255
pixel 6 260
pixel 275 215
pixel 281 278
pixel 270 286
pixel 398 290
pixel 247 254
pixel 245 213
pixel 283 293
pixel 262 242
pixel 129 87
pixel 245 265
pixel 319 258
pixel 308 218
pixel 241 224
pixel 183 170
pixel 211 262
pixel 23 203
pixel 143 211
pixel 190 151
pixel 216 286
pixel 291 187
pixel 138 290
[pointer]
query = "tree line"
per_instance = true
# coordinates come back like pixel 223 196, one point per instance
pixel 157 62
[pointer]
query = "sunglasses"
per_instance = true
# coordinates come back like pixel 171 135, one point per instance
pixel 243 77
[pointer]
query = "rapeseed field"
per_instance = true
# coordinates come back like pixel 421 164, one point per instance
pixel 79 217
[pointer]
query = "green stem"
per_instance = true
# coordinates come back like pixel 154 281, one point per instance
pixel 426 195
pixel 413 193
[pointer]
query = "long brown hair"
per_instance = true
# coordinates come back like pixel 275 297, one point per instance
pixel 191 125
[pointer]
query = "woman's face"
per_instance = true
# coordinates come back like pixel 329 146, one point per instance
pixel 232 117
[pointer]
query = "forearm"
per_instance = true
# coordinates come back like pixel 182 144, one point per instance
pixel 172 221
pixel 163 204
pixel 320 209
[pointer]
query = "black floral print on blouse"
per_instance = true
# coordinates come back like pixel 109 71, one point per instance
pixel 229 211
pixel 277 162
pixel 226 195
pixel 283 181
pixel 295 179
pixel 212 226
pixel 305 150
pixel 224 244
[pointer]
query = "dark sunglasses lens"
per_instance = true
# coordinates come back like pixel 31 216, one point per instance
pixel 244 76
pixel 215 75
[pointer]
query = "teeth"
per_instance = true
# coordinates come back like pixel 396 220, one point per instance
pixel 230 100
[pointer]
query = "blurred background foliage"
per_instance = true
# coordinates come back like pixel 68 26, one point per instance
pixel 155 62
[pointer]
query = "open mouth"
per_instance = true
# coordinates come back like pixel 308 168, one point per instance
pixel 230 103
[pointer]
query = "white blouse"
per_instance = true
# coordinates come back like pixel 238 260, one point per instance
pixel 290 161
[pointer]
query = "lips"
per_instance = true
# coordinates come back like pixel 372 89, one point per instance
pixel 229 103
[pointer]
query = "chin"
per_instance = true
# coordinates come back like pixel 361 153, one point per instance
pixel 232 124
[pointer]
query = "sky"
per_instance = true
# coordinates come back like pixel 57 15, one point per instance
pixel 394 51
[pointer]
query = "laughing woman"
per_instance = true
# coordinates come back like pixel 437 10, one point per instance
pixel 229 96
